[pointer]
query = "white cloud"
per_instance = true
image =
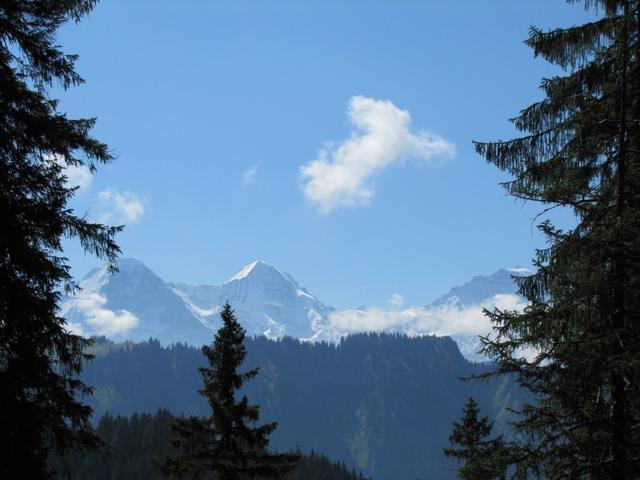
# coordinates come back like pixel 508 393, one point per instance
pixel 102 320
pixel 370 320
pixel 341 174
pixel 442 320
pixel 76 329
pixel 249 175
pixel 77 175
pixel 396 299
pixel 125 207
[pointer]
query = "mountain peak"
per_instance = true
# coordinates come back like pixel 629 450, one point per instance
pixel 254 267
pixel 482 287
pixel 130 261
pixel 132 267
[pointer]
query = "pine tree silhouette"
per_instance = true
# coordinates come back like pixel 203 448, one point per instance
pixel 41 409
pixel 484 459
pixel 575 348
pixel 227 442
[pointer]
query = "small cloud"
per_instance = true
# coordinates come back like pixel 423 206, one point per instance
pixel 102 320
pixel 396 299
pixel 125 207
pixel 77 175
pixel 249 175
pixel 341 174
pixel 76 329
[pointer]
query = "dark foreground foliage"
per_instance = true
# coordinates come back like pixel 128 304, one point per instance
pixel 40 396
pixel 580 151
pixel 138 444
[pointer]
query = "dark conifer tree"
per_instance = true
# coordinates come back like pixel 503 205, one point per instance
pixel 580 151
pixel 481 458
pixel 40 396
pixel 227 443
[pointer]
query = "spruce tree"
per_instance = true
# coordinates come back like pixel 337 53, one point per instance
pixel 579 151
pixel 483 459
pixel 41 408
pixel 227 444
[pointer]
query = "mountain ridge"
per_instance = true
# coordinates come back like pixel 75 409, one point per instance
pixel 136 304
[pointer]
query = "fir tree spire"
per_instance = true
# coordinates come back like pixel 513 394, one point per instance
pixel 483 459
pixel 228 442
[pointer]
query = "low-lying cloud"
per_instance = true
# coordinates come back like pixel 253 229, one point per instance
pixel 441 320
pixel 341 174
pixel 101 320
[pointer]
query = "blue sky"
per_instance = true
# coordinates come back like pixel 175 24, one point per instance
pixel 216 111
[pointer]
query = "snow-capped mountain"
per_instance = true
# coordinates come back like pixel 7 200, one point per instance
pixel 480 288
pixel 266 301
pixel 135 304
pixel 469 299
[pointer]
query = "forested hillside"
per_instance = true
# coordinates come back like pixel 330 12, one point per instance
pixel 138 444
pixel 383 404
